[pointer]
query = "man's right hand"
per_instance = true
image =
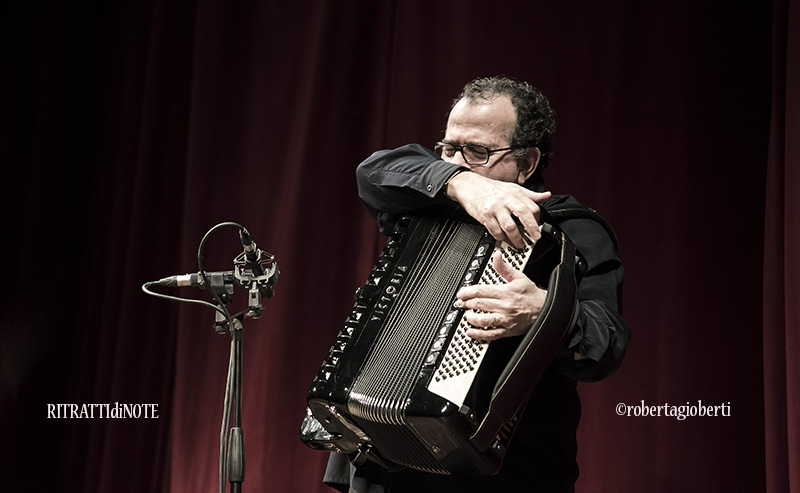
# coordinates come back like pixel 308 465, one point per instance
pixel 496 204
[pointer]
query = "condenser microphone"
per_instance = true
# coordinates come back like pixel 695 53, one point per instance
pixel 251 254
pixel 254 260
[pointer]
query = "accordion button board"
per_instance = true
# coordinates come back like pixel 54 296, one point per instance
pixel 453 377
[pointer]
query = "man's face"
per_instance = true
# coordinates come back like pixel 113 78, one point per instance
pixel 488 123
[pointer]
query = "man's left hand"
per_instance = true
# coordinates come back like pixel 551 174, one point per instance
pixel 501 310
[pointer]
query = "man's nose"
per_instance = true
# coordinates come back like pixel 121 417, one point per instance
pixel 457 158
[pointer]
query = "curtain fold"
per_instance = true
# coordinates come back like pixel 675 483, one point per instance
pixel 782 258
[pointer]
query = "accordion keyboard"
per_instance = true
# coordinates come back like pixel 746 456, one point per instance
pixel 464 355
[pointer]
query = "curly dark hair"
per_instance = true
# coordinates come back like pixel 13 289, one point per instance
pixel 536 120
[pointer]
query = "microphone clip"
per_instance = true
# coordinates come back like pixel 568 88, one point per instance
pixel 256 271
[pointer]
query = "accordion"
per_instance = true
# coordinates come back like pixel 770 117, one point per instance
pixel 403 385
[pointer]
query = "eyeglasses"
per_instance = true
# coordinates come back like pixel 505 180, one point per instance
pixel 474 154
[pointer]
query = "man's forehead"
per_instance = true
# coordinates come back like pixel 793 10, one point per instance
pixel 494 100
pixel 482 118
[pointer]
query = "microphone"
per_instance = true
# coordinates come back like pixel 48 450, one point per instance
pixel 253 260
pixel 195 280
pixel 253 269
pixel 251 253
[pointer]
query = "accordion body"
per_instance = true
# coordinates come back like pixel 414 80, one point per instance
pixel 403 384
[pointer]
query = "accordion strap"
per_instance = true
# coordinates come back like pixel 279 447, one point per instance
pixel 563 212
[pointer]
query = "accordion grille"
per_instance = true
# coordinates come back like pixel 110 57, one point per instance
pixel 381 390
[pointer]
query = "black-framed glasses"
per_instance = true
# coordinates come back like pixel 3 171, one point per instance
pixel 473 154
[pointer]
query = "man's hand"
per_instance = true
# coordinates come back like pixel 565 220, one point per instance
pixel 496 204
pixel 510 308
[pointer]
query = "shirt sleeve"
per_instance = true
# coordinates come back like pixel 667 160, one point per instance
pixel 600 334
pixel 406 179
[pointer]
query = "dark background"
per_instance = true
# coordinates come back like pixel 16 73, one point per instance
pixel 130 128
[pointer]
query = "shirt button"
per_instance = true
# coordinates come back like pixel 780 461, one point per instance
pixel 430 187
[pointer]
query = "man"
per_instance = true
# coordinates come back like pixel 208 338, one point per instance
pixel 489 163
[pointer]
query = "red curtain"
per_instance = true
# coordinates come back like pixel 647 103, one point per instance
pixel 129 129
pixel 781 261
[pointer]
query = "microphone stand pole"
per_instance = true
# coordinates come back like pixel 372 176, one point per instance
pixel 236 438
pixel 257 286
pixel 234 454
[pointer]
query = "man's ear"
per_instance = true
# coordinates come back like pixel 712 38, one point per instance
pixel 527 164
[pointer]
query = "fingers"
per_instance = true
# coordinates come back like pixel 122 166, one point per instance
pixel 521 208
pixel 512 231
pixel 490 297
pixel 506 271
pixel 497 231
pixel 487 302
pixel 483 312
pixel 505 226
pixel 529 221
pixel 486 326
pixel 500 310
pixel 529 216
pixel 485 297
pixel 502 207
pixel 487 334
pixel 540 197
pixel 487 320
pixel 490 326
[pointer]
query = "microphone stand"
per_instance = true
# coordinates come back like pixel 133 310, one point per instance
pixel 236 439
pixel 256 285
pixel 256 271
pixel 232 433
